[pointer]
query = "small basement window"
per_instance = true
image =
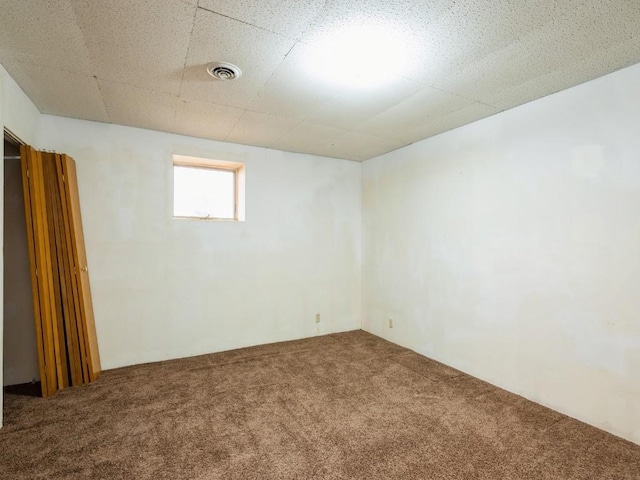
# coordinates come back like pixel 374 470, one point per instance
pixel 207 189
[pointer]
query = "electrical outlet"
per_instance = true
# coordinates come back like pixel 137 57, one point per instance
pixel 317 318
pixel 391 323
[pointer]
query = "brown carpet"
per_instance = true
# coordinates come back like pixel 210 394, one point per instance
pixel 345 406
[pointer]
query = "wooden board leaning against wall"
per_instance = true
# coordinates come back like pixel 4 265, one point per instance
pixel 65 327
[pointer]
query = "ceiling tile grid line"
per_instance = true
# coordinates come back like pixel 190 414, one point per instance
pixel 290 18
pixel 102 102
pixel 94 77
pixel 102 98
pixel 238 20
pixel 257 93
pixel 186 57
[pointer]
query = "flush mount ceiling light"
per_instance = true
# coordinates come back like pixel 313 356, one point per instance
pixel 223 71
pixel 360 56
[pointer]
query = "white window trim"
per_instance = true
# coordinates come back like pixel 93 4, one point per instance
pixel 239 175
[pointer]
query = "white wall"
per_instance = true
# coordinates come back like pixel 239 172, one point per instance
pixel 166 288
pixel 510 249
pixel 18 114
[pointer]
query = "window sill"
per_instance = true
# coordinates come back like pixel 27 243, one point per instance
pixel 208 219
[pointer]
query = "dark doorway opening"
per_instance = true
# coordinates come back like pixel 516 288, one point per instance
pixel 20 355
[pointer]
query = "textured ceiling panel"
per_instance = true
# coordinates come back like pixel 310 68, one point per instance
pixel 533 55
pixel 603 23
pixel 138 107
pixel 536 53
pixel 216 38
pixel 199 119
pixel 614 57
pixel 349 108
pixel 449 121
pixel 361 146
pixel 44 34
pixel 408 20
pixel 287 17
pixel 427 104
pixel 473 30
pixel 260 129
pixel 59 92
pixel 311 138
pixel 437 64
pixel 291 91
pixel 141 43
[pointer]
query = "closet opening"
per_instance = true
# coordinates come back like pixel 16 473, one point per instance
pixel 20 352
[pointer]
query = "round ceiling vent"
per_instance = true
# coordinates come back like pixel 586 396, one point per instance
pixel 223 71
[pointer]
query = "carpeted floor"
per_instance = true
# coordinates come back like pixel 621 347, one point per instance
pixel 345 406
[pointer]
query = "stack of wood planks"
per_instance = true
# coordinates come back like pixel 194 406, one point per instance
pixel 65 328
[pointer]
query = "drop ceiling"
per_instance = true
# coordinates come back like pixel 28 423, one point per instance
pixel 143 63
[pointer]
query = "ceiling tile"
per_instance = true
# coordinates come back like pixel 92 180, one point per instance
pixel 138 107
pixel 350 107
pixel 292 91
pixel 43 33
pixel 615 57
pixel 206 120
pixel 287 17
pixel 260 129
pixel 361 146
pixel 217 38
pixel 142 43
pixel 601 23
pixel 534 54
pixel 466 60
pixel 407 20
pixel 470 31
pixel 60 92
pixel 449 121
pixel 412 112
pixel 412 14
pixel 311 138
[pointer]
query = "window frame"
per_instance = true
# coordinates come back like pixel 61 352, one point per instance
pixel 238 170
